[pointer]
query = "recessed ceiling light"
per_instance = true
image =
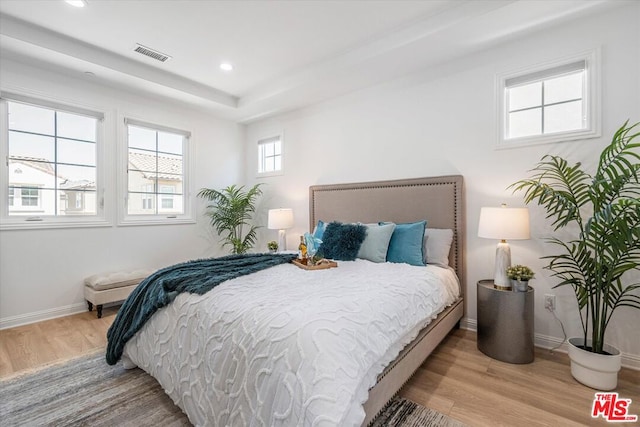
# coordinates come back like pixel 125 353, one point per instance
pixel 225 66
pixel 77 3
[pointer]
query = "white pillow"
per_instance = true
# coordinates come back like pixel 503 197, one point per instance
pixel 437 243
pixel 375 244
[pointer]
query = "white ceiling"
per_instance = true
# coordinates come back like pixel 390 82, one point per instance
pixel 286 54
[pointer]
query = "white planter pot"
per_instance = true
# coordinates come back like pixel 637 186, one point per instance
pixel 598 371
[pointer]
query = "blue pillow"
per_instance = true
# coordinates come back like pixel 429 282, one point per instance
pixel 376 243
pixel 319 231
pixel 342 241
pixel 406 243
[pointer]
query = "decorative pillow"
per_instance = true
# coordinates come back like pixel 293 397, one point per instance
pixel 437 243
pixel 406 244
pixel 342 241
pixel 375 245
pixel 319 231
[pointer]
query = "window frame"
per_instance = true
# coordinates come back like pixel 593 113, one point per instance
pixel 259 147
pixel 37 220
pixel 541 72
pixel 126 219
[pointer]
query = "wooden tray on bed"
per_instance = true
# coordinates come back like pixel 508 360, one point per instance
pixel 324 266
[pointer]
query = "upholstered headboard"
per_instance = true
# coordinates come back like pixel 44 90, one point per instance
pixel 439 200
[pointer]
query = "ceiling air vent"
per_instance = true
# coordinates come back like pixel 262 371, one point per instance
pixel 151 53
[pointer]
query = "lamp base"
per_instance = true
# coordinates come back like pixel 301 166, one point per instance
pixel 282 241
pixel 503 261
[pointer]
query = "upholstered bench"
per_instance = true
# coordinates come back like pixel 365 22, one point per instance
pixel 106 288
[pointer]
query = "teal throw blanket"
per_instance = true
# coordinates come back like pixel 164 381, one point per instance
pixel 159 289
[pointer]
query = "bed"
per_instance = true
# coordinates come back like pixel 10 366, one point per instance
pixel 274 362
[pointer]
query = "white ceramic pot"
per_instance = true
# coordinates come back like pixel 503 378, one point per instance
pixel 598 371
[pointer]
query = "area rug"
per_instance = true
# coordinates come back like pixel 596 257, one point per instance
pixel 87 391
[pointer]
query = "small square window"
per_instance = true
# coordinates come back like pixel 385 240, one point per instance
pixel 270 155
pixel 30 196
pixel 557 102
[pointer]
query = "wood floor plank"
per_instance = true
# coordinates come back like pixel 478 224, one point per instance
pixel 27 347
pixel 457 379
pixel 6 367
pixel 497 393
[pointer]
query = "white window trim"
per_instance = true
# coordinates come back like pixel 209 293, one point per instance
pixel 124 219
pixel 592 102
pixel 100 219
pixel 280 172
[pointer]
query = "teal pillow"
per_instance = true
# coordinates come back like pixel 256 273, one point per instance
pixel 406 245
pixel 376 243
pixel 342 241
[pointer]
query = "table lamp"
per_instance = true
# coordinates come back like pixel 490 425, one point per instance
pixel 503 223
pixel 280 219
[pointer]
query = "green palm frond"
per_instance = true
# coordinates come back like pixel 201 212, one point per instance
pixel 619 169
pixel 606 209
pixel 560 188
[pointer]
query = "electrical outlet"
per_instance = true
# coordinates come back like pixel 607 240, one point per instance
pixel 550 302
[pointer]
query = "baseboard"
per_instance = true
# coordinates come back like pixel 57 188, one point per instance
pixel 630 361
pixel 38 316
pixel 469 324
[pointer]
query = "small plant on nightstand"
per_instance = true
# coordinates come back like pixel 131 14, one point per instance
pixel 520 272
pixel 520 276
pixel 272 246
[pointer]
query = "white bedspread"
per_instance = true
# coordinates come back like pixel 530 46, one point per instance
pixel 288 347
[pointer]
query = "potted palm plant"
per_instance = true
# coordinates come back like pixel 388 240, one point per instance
pixel 602 211
pixel 230 211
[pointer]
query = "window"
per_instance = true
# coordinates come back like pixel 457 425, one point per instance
pixel 167 201
pixel 270 156
pixel 79 201
pixel 147 197
pixel 51 176
pixel 27 199
pixel 156 181
pixel 30 196
pixel 551 104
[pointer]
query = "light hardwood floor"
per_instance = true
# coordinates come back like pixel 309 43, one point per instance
pixel 457 379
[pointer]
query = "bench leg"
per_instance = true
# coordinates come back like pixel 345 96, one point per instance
pixel 90 305
pixel 99 307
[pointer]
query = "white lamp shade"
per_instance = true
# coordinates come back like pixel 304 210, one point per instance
pixel 504 223
pixel 280 219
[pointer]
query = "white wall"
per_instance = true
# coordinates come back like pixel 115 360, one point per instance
pixel 42 271
pixel 443 121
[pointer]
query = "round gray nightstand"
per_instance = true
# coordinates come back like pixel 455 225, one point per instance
pixel 505 323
